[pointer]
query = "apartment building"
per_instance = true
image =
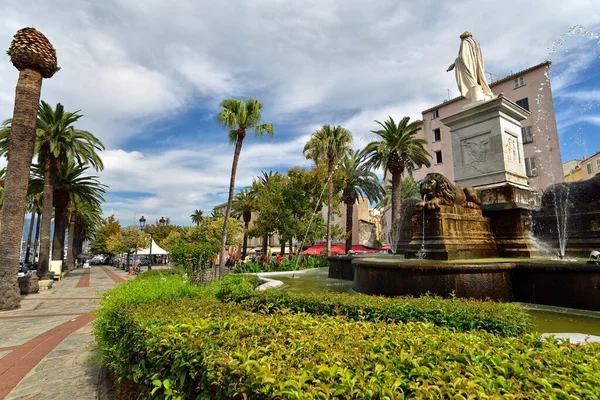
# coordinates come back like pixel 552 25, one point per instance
pixel 531 90
pixel 580 170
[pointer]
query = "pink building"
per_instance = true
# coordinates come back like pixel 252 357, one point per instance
pixel 531 90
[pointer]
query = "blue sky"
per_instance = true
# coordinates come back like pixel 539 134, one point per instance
pixel 149 76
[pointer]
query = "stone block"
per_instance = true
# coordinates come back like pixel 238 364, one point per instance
pixel 46 284
pixel 29 284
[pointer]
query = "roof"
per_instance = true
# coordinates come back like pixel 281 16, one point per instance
pixel 156 250
pixel 512 76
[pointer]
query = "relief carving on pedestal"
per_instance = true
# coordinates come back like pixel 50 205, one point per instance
pixel 475 150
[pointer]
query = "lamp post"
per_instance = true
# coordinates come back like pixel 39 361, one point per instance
pixel 142 226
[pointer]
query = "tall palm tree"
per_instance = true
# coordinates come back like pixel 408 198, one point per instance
pixel 84 220
pixel 358 179
pixel 196 217
pixel 238 116
pixel 398 151
pixel 35 58
pixel 242 206
pixel 328 144
pixel 71 184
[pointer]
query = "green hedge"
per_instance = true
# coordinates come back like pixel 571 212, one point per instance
pixel 161 273
pixel 199 348
pixel 460 314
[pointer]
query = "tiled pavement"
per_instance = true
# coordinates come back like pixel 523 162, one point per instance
pixel 45 346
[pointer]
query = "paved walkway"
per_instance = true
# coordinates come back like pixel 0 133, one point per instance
pixel 45 346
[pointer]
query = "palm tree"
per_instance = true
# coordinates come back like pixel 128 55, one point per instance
pixel 216 214
pixel 410 189
pixel 398 151
pixel 358 179
pixel 328 144
pixel 238 116
pixel 71 183
pixel 242 206
pixel 35 58
pixel 196 217
pixel 84 220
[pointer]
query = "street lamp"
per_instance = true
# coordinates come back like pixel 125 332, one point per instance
pixel 142 226
pixel 162 222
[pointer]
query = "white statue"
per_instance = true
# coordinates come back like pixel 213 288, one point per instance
pixel 470 76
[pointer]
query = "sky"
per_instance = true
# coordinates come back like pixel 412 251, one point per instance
pixel 148 76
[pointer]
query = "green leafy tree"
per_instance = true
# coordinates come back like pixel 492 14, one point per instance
pixel 238 116
pixel 210 232
pixel 197 217
pixel 267 191
pixel 33 55
pixel 358 180
pixel 171 240
pixel 128 241
pixel 330 144
pixel 398 151
pixel 108 227
pixel 161 231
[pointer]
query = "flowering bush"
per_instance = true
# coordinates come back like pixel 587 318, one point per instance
pixel 194 258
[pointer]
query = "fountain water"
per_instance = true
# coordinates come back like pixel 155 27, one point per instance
pixel 561 209
pixel 421 254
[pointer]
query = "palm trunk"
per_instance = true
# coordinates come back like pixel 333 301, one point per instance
pixel 61 202
pixel 29 236
pixel 70 265
pixel 245 245
pixel 396 204
pixel 282 246
pixel 36 254
pixel 349 225
pixel 329 205
pixel 20 153
pixel 49 174
pixel 236 156
pixel 290 248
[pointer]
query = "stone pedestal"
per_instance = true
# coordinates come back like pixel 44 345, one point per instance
pixel 452 233
pixel 509 207
pixel 487 146
pixel 45 284
pixel 29 284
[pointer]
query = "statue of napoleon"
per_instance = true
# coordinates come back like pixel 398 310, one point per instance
pixel 470 76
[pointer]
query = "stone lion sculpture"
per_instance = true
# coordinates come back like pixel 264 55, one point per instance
pixel 437 190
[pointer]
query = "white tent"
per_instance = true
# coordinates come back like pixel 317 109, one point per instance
pixel 156 250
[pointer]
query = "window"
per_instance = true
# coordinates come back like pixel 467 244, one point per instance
pixel 524 103
pixel 520 81
pixel 530 168
pixel 527 135
pixel 438 157
pixel 437 135
pixel 598 164
pixel 435 114
pixel 589 168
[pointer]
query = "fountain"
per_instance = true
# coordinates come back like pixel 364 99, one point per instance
pixel 478 234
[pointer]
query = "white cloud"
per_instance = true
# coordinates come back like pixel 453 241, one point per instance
pixel 128 64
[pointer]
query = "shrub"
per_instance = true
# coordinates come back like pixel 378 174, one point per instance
pixel 199 348
pixel 194 258
pixel 235 286
pixel 161 273
pixel 460 314
pixel 286 264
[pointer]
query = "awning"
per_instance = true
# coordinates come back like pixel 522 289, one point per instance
pixel 337 249
pixel 156 250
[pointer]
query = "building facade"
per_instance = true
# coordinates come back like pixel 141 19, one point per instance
pixel 531 90
pixel 580 170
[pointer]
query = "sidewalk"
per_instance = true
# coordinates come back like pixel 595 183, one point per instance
pixel 45 346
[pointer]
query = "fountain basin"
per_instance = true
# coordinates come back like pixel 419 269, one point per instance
pixel 572 284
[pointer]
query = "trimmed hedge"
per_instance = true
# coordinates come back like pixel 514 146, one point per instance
pixel 161 273
pixel 460 314
pixel 199 348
